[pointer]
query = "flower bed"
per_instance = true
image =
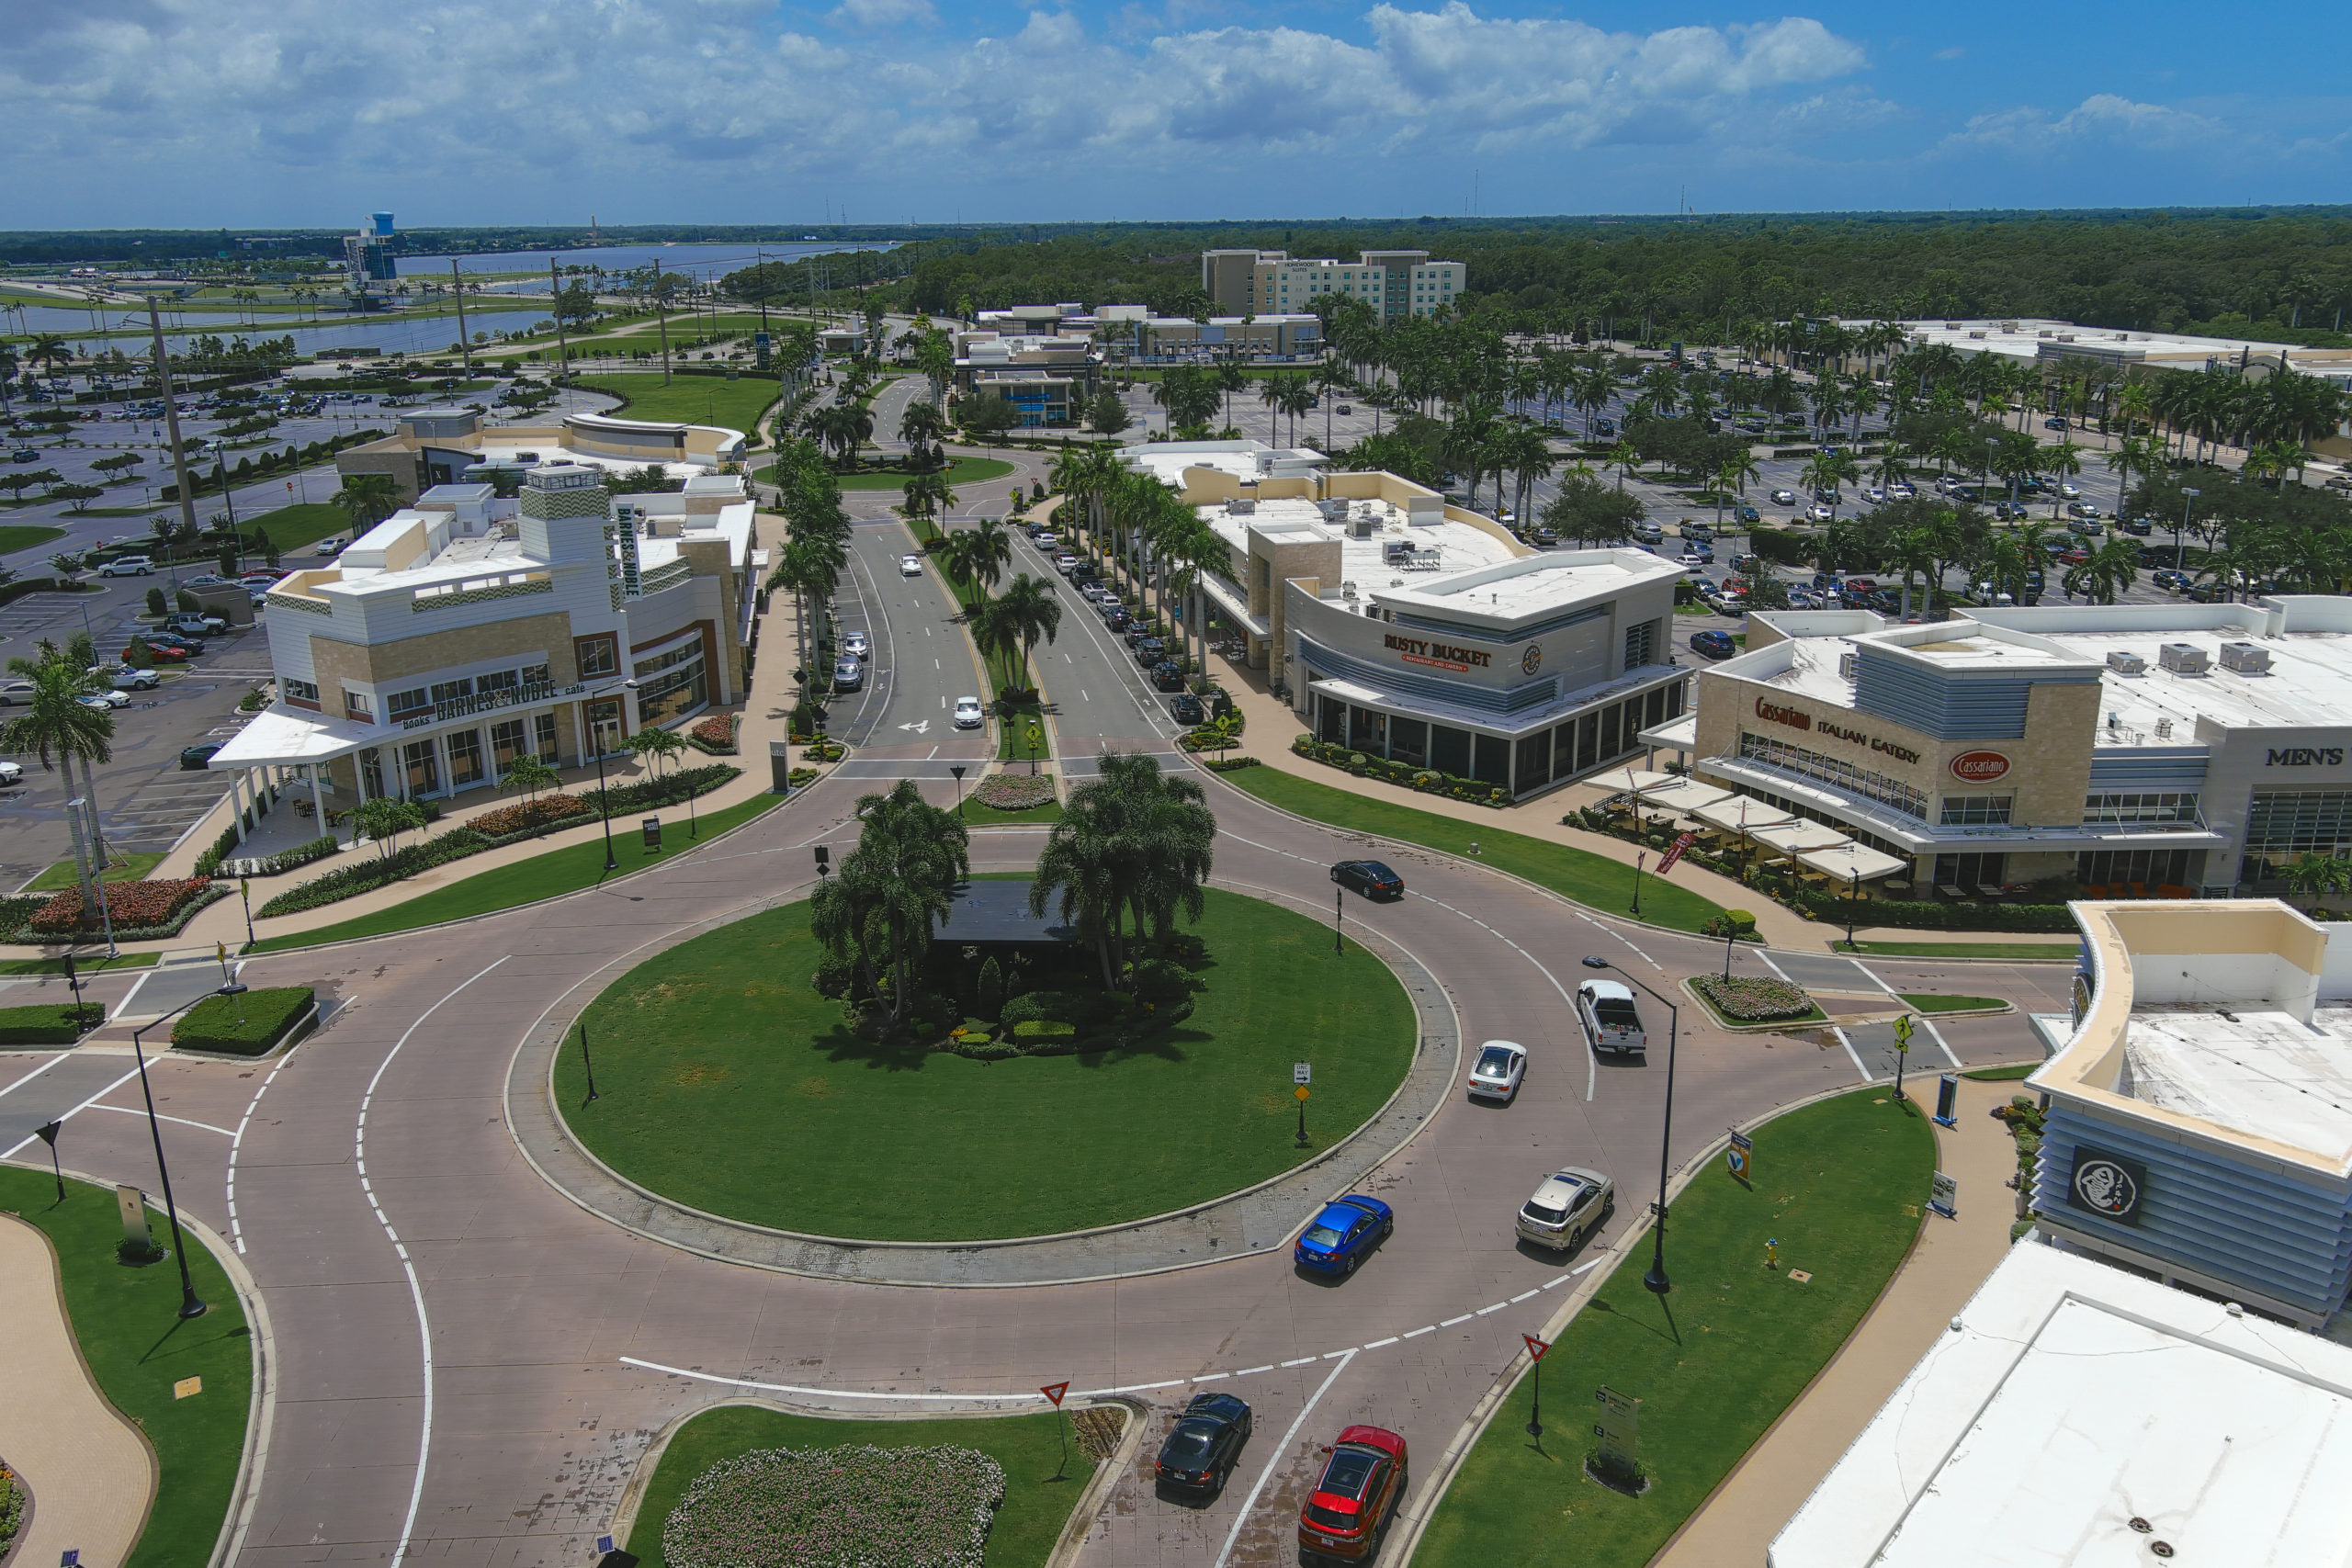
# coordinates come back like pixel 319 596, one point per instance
pixel 283 861
pixel 846 1507
pixel 1429 781
pixel 526 815
pixel 129 903
pixel 716 734
pixel 1014 792
pixel 1746 998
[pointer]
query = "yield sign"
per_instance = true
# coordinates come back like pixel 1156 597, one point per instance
pixel 1535 1348
pixel 1054 1391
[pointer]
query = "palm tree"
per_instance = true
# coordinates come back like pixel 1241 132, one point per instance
pixel 2111 569
pixel 1131 840
pixel 874 915
pixel 927 493
pixel 2065 460
pixel 366 499
pixel 2318 875
pixel 529 776
pixel 1025 614
pixel 654 745
pixel 842 426
pixel 59 730
pixel 1624 458
pixel 1734 475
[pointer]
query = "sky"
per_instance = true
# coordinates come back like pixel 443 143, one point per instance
pixel 250 114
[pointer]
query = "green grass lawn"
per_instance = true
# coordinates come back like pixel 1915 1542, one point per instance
pixel 1040 1489
pixel 961 471
pixel 126 868
pixel 137 1347
pixel 2009 1073
pixel 728 1083
pixel 1929 1002
pixel 15 537
pixel 1715 1362
pixel 89 964
pixel 547 876
pixel 1588 878
pixel 2029 951
pixel 296 527
pixel 692 399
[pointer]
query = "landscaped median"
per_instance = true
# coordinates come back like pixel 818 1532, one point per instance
pixel 1576 874
pixel 1839 1186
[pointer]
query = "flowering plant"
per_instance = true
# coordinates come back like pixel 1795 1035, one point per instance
pixel 718 729
pixel 1014 792
pixel 129 903
pixel 845 1508
pixel 527 814
pixel 1753 998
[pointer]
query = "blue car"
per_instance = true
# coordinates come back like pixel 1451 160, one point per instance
pixel 1343 1233
pixel 1712 644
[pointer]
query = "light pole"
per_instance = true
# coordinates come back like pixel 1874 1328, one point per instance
pixel 603 796
pixel 958 769
pixel 1656 1281
pixel 1853 900
pixel 2186 509
pixel 189 1306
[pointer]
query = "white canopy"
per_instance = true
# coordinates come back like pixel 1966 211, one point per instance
pixel 1851 863
pixel 1684 795
pixel 1796 837
pixel 282 736
pixel 1634 779
pixel 1741 815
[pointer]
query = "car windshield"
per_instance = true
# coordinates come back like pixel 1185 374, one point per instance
pixel 1322 1236
pixel 1494 1062
pixel 1188 1444
pixel 1544 1213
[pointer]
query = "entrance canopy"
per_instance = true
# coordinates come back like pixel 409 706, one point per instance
pixel 1853 862
pixel 283 736
pixel 1634 779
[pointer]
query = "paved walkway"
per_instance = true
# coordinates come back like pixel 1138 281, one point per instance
pixel 89 1471
pixel 1953 1259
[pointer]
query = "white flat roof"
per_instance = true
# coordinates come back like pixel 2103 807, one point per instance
pixel 1514 588
pixel 2069 1399
pixel 282 735
pixel 1244 459
pixel 2024 338
pixel 1364 562
pixel 2254 1070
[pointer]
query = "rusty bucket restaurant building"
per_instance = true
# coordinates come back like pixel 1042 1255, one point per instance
pixel 2147 750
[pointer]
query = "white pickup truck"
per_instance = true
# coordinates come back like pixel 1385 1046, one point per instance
pixel 1606 1009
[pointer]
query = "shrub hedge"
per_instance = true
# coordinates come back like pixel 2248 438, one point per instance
pixel 213 1024
pixel 49 1025
pixel 1922 914
pixel 287 860
pixel 1429 781
pixel 365 875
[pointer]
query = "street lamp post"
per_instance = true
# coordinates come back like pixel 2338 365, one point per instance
pixel 604 797
pixel 2186 509
pixel 1853 901
pixel 1656 1281
pixel 958 769
pixel 189 1306
pixel 1339 913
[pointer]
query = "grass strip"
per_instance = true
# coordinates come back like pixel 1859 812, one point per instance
pixel 1578 875
pixel 547 876
pixel 2009 1073
pixel 2024 952
pixel 1840 1184
pixel 89 965
pixel 1929 1002
pixel 125 1320
pixel 126 868
pixel 961 471
pixel 689 399
pixel 1040 1489
pixel 15 537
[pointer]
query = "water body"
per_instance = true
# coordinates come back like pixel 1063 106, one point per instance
pixel 702 262
pixel 387 332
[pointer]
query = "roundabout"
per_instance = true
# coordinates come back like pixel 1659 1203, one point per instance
pixel 727 1085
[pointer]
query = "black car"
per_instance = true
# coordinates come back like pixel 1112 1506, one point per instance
pixel 1185 708
pixel 1117 618
pixel 1135 633
pixel 1369 878
pixel 1712 644
pixel 1149 652
pixel 1168 676
pixel 195 759
pixel 1204 1444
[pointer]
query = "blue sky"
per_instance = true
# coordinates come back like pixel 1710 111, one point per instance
pixel 305 112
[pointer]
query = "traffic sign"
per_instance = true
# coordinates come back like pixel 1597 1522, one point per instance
pixel 1054 1391
pixel 1535 1348
pixel 1301 1091
pixel 1903 1031
pixel 1302 1072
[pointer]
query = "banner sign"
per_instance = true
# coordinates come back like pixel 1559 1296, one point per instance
pixel 1673 851
pixel 2107 1185
pixel 1740 1157
pixel 1944 1196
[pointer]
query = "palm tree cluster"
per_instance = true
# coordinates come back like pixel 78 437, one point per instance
pixel 1130 521
pixel 874 915
pixel 65 733
pixel 1133 851
pixel 816 543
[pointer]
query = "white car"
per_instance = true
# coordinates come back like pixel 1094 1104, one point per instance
pixel 1569 1206
pixel 1819 512
pixel 108 699
pixel 968 712
pixel 855 643
pixel 1785 498
pixel 127 566
pixel 1496 1075
pixel 130 680
pixel 910 566
pixel 1902 492
pixel 2068 492
pixel 1874 495
pixel 12 774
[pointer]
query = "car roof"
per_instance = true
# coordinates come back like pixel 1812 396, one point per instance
pixel 1379 1438
pixel 1607 990
pixel 1222 1406
pixel 1568 1181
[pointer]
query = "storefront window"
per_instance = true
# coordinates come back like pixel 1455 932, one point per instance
pixel 545 725
pixel 1368 730
pixel 371 773
pixel 1973 810
pixel 1334 717
pixel 1609 719
pixel 464 759
pixel 1450 749
pixel 506 744
pixel 1776 753
pixel 1531 768
pixel 423 768
pixel 2136 873
pixel 1491 762
pixel 1963 876
pixel 2163 808
pixel 678 690
pixel 1408 742
pixel 2282 824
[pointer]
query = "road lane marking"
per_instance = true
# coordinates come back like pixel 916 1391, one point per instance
pixel 134 1111
pixel 1302 1361
pixel 1591 1263
pixel 1335 1355
pixel 1452 1321
pixel 1417 1332
pixel 1933 1033
pixel 828 1392
pixel 1252 1371
pixel 1857 1056
pixel 1281 1453
pixel 10 1153
pixel 35 1072
pixel 1378 1343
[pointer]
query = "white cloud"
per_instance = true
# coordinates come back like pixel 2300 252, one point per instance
pixel 883 13
pixel 2101 118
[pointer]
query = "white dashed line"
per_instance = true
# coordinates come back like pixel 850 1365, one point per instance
pixel 1303 1362
pixel 1484 1310
pixel 1452 1321
pixel 1417 1332
pixel 1524 1295
pixel 1252 1371
pixel 1581 1268
pixel 1335 1355
pixel 1378 1343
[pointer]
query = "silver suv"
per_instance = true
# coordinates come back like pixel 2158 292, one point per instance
pixel 1570 1205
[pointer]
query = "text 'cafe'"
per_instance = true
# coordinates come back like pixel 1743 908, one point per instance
pixel 2146 750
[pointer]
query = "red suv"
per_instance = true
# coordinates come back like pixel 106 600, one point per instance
pixel 1362 1485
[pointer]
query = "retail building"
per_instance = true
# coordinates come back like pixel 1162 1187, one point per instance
pixel 452 446
pixel 1394 283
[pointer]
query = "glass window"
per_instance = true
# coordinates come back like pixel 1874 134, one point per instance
pixel 305 691
pixel 597 656
pixel 407 704
pixel 1409 740
pixel 449 691
pixel 423 768
pixel 497 681
pixel 371 773
pixel 1490 760
pixel 1772 753
pixel 679 690
pixel 1973 810
pixel 1533 767
pixel 464 759
pixel 1450 749
pixel 359 706
pixel 506 744
pixel 2114 869
pixel 545 726
pixel 2140 807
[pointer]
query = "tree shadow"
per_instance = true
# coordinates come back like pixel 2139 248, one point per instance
pixel 900 1054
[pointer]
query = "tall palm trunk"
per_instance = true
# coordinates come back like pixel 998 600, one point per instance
pixel 81 874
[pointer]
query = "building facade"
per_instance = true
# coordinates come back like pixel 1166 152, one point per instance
pixel 1394 283
pixel 449 446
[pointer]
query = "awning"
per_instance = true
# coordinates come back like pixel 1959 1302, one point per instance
pixel 280 736
pixel 1634 779
pixel 1851 863
pixel 1684 795
pixel 1797 838
pixel 1741 815
pixel 1675 734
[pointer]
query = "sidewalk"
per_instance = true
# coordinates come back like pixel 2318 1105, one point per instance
pixel 89 1471
pixel 1952 1260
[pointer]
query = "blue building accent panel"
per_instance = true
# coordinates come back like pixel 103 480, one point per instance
pixel 2279 1233
pixel 1950 704
pixel 2149 768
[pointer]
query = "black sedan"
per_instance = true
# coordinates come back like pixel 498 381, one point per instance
pixel 1205 1445
pixel 1712 644
pixel 1369 878
pixel 1168 676
pixel 1185 708
pixel 195 759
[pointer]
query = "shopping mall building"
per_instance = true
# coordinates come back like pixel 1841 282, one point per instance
pixel 2143 750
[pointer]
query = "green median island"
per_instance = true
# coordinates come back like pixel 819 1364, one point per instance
pixel 688 399
pixel 125 1318
pixel 761 1488
pixel 727 1081
pixel 1840 1186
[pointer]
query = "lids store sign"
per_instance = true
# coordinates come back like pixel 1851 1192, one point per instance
pixel 1774 712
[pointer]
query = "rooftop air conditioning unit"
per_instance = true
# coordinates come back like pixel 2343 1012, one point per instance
pixel 2245 657
pixel 2008 326
pixel 1362 528
pixel 2182 658
pixel 2124 663
pixel 1977 336
pixel 1850 665
pixel 1242 507
pixel 2163 729
pixel 1951 326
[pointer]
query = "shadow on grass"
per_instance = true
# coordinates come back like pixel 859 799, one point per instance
pixel 1671 1332
pixel 842 1044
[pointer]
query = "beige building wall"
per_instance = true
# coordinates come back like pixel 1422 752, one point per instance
pixel 389 662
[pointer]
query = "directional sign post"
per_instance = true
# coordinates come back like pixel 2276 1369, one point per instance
pixel 1901 1050
pixel 1948 1100
pixel 1535 1349
pixel 1054 1391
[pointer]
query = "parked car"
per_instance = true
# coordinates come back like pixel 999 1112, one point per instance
pixel 968 713
pixel 1874 495
pixel 127 566
pixel 1500 1068
pixel 192 624
pixel 129 680
pixel 1647 533
pixel 2055 423
pixel 2066 489
pixel 1785 498
pixel 1048 540
pixel 330 547
pixel 1819 512
pixel 1702 532
pixel 1168 676
pixel 1901 491
pixel 1343 1233
pixel 849 675
pixel 1610 1022
pixel 2140 527
pixel 910 566
pixel 1712 644
pixel 195 759
pixel 17 692
pixel 107 699
pixel 1064 563
pixel 191 646
pixel 163 653
pixel 1118 618
pixel 1566 1207
pixel 856 645
pixel 1185 708
pixel 11 773
pixel 1696 556
pixel 1151 651
pixel 24 455
pixel 1747 515
pixel 1135 634
pixel 1369 878
pixel 2168 579
pixel 1202 1448
pixel 1351 1503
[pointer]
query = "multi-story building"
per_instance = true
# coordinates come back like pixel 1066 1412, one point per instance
pixel 451 445
pixel 1394 283
pixel 442 646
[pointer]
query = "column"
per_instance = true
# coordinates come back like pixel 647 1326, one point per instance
pixel 237 804
pixel 319 797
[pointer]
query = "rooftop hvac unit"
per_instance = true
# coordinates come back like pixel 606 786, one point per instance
pixel 2065 338
pixel 2182 658
pixel 1362 528
pixel 2245 657
pixel 1849 666
pixel 2124 663
pixel 2163 729
pixel 1243 507
pixel 1951 326
pixel 2008 326
pixel 1977 336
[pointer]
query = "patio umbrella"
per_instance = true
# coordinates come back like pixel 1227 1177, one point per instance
pixel 1685 796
